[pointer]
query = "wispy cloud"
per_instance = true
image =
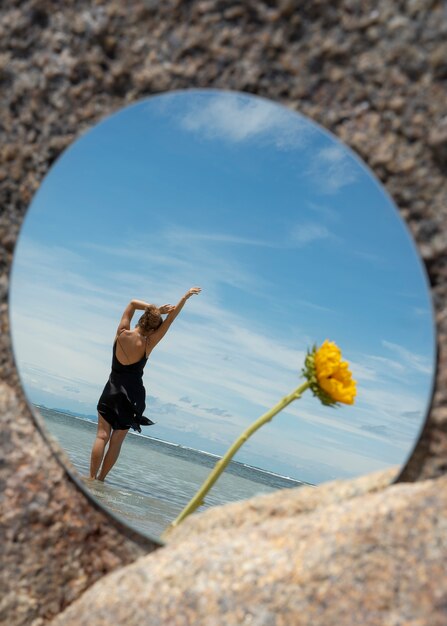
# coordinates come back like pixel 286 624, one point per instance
pixel 421 312
pixel 411 359
pixel 390 365
pixel 71 388
pixel 315 306
pixel 305 233
pixel 237 118
pixel 325 212
pixel 212 410
pixel 390 389
pixel 332 168
pixel 299 235
pixel 178 235
pixel 412 415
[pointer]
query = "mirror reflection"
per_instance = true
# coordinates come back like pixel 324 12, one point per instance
pixel 291 240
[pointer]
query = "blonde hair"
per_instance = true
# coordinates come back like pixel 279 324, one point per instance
pixel 151 319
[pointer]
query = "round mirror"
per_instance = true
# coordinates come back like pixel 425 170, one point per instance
pixel 291 239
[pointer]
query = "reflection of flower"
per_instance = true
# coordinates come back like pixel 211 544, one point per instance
pixel 329 377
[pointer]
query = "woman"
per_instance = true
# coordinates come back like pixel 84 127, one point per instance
pixel 123 399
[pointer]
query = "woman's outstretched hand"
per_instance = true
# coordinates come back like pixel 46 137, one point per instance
pixel 192 292
pixel 166 308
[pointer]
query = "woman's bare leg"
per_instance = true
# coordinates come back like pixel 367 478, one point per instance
pixel 113 451
pixel 99 445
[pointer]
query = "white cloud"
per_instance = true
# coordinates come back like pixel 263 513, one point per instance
pixel 327 213
pixel 305 233
pixel 421 312
pixel 332 168
pixel 384 404
pixel 390 365
pixel 183 235
pixel 411 359
pixel 239 118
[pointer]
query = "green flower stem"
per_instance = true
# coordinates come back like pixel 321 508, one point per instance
pixel 198 499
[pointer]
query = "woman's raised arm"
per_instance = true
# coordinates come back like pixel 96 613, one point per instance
pixel 158 334
pixel 129 311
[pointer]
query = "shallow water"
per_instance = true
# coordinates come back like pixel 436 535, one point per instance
pixel 153 480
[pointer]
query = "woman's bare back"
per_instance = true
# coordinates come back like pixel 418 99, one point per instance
pixel 131 347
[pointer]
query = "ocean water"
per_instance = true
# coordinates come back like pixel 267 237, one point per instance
pixel 153 480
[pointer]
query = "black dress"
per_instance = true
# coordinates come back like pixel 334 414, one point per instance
pixel 123 399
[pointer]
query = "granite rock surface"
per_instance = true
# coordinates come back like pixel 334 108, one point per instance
pixel 278 505
pixel 376 559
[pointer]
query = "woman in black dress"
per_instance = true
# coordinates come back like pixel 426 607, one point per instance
pixel 123 399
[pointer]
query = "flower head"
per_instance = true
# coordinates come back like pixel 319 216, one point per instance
pixel 329 376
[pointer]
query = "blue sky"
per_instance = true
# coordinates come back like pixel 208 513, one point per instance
pixel 292 241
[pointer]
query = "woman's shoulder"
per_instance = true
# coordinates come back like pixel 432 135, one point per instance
pixel 131 338
pixel 119 335
pixel 124 334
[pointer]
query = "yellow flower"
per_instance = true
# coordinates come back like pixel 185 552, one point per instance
pixel 329 376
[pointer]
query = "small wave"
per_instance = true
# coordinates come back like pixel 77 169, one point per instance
pixel 157 439
pixel 214 456
pixel 258 469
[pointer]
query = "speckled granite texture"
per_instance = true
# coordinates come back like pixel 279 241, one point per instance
pixel 278 505
pixel 371 559
pixel 375 74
